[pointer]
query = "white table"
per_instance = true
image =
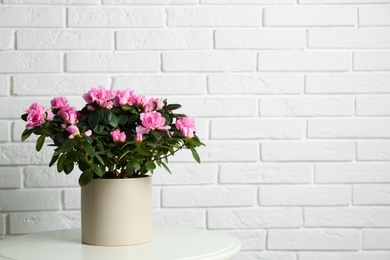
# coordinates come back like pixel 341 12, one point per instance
pixel 167 244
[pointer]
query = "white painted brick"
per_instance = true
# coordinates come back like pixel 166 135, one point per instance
pixel 260 39
pixel 313 240
pixel 348 83
pixel 72 199
pixel 250 240
pixel 19 200
pixel 4 86
pixel 347 217
pixel 306 106
pixel 299 195
pixel 349 38
pixel 307 151
pixel 265 173
pixel 255 84
pixel 17 154
pixel 373 150
pixel 115 17
pixel 17 130
pixel 208 61
pixel 164 39
pixel 264 255
pixel 257 128
pixel 43 176
pixel 6 40
pixel 352 173
pixel 254 218
pixel 30 62
pixel 4 132
pixel 22 223
pixel 186 174
pixel 208 196
pixel 64 40
pixel 189 218
pixel 349 128
pixel 151 2
pixel 112 62
pixel 163 84
pixel 373 106
pixel 31 16
pixel 156 197
pixel 303 61
pixel 68 2
pixel 371 61
pixel 374 15
pixel 376 240
pixel 56 85
pixel 249 2
pixel 214 16
pixel 3 228
pixel 374 194
pixel 310 16
pixel 361 255
pixel 10 177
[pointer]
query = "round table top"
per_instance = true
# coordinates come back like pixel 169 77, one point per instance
pixel 167 244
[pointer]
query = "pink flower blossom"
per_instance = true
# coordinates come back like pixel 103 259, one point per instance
pixel 69 114
pixel 59 103
pixel 151 121
pixel 36 108
pixel 118 136
pixel 139 138
pixel 123 97
pixel 101 96
pixel 88 133
pixel 36 115
pixel 153 104
pixel 186 126
pixel 49 115
pixel 73 131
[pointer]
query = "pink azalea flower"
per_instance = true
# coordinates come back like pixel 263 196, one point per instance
pixel 139 138
pixel 36 108
pixel 151 121
pixel 101 96
pixel 122 97
pixel 153 104
pixel 59 103
pixel 88 133
pixel 118 136
pixel 49 115
pixel 186 126
pixel 73 131
pixel 36 115
pixel 69 114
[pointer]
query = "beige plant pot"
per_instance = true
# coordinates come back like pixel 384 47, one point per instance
pixel 117 212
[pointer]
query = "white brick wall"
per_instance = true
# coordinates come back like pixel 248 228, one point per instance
pixel 291 96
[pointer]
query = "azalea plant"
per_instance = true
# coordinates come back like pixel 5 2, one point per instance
pixel 117 134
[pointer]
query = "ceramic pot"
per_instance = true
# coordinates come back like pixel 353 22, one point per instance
pixel 117 212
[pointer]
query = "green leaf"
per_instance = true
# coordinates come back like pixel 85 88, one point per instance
pixel 142 150
pixel 24 117
pixel 122 119
pixel 172 107
pixel 106 116
pixel 114 120
pixel 60 164
pixel 98 129
pixel 132 165
pixel 131 109
pixel 150 166
pixel 194 141
pixel 99 159
pixel 86 177
pixel 166 167
pixel 94 119
pixel 40 142
pixel 89 149
pixel 68 168
pixel 69 144
pixel 54 158
pixel 26 134
pixel 71 157
pixel 195 154
pixel 96 170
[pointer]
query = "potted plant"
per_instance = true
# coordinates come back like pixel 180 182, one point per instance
pixel 115 140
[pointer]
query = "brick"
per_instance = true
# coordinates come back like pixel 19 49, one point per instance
pixel 151 2
pixel 260 39
pixel 4 86
pixel 349 128
pixel 308 151
pixel 189 218
pixel 352 173
pixel 257 128
pixel 6 40
pixel 214 17
pixel 373 150
pixel 313 240
pixel 72 199
pixel 360 255
pixel 4 132
pixel 347 83
pixel 18 200
pixel 30 62
pixel 208 196
pixel 56 85
pixel 186 174
pixel 64 40
pixel 347 217
pixel 43 176
pixel 208 61
pixel 376 240
pixel 115 17
pixel 306 106
pixel 156 197
pixel 16 153
pixel 22 223
pixel 294 195
pixel 68 2
pixel 264 255
pixel 371 61
pixel 3 227
pixel 373 106
pixel 310 16
pixel 254 218
pixel 377 15
pixel 265 173
pixel 31 16
pixel 349 38
pixel 250 240
pixel 163 84
pixel 255 84
pixel 112 62
pixel 10 177
pixel 374 194
pixel 249 2
pixel 164 40
pixel 17 130
pixel 303 61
